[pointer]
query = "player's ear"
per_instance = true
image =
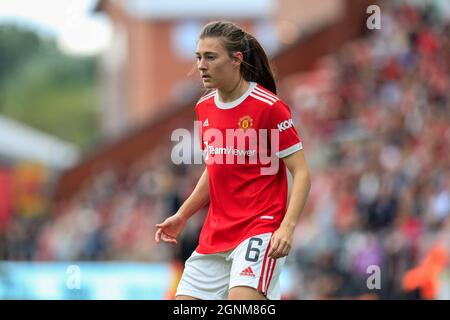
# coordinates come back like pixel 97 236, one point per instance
pixel 237 58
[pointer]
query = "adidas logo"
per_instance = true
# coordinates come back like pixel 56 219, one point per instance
pixel 206 123
pixel 247 272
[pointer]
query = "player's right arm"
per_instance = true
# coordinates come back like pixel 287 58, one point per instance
pixel 170 229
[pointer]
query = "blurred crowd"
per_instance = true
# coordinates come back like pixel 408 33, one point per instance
pixel 374 120
pixel 382 198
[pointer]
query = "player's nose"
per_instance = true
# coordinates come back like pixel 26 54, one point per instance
pixel 201 65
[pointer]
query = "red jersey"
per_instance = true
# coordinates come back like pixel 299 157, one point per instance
pixel 244 201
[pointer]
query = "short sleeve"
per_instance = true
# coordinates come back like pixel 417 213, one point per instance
pixel 280 119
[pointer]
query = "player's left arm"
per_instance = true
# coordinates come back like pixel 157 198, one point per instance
pixel 282 238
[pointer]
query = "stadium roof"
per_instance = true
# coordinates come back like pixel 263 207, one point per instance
pixel 21 142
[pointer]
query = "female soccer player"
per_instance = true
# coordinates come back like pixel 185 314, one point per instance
pixel 249 228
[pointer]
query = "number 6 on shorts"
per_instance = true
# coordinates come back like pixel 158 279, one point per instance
pixel 250 249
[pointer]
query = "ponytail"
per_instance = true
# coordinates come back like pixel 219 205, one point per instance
pixel 255 65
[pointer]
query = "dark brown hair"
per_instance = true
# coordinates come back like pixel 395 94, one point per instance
pixel 255 65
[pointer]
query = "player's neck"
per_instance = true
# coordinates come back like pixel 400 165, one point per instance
pixel 234 92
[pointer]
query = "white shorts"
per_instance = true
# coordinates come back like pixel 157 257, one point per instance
pixel 210 276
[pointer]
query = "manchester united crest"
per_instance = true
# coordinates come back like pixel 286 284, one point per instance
pixel 245 122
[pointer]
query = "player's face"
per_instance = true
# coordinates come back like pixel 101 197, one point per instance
pixel 216 68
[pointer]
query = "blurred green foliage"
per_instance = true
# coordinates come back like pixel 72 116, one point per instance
pixel 44 88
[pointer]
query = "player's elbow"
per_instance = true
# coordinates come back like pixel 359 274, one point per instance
pixel 306 177
pixel 302 174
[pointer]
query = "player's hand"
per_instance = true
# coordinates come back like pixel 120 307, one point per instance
pixel 170 229
pixel 281 242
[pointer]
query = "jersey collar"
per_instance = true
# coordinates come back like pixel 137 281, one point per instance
pixel 234 103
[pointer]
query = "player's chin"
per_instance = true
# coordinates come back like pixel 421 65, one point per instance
pixel 208 84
